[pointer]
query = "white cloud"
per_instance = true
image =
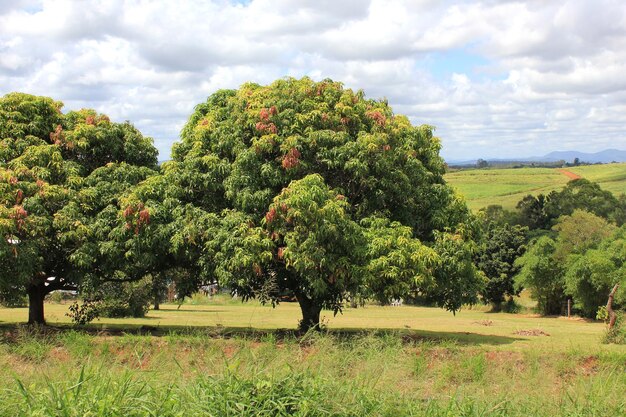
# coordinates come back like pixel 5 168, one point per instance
pixel 549 75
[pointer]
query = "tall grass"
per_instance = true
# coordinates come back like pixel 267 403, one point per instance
pixel 70 373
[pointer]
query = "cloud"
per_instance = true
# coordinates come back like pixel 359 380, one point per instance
pixel 497 78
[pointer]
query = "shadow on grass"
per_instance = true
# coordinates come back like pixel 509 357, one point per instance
pixel 408 336
pixel 187 310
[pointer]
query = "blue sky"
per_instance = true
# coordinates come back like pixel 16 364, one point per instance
pixel 496 78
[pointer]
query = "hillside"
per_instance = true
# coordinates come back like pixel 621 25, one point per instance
pixel 482 187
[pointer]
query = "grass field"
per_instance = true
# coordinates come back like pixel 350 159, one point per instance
pixel 225 358
pixel 482 187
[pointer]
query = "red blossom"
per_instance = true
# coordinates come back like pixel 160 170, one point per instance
pixel 56 137
pixel 90 120
pixel 386 147
pixel 345 120
pixel 19 215
pixel 264 114
pixel 144 217
pixel 284 208
pixel 264 128
pixel 273 111
pixel 377 117
pixel 129 212
pixel 19 197
pixel 40 183
pixel 292 159
pixel 281 252
pixel 270 215
pixel 13 180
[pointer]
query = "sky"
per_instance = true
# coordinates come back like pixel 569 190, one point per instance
pixel 498 79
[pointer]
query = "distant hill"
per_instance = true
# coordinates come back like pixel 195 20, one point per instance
pixel 606 156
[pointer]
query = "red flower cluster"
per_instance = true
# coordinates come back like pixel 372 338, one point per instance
pixel 386 147
pixel 265 114
pixel 143 217
pixel 19 215
pixel 19 197
pixel 56 137
pixel 292 159
pixel 281 252
pixel 90 120
pixel 13 180
pixel 269 127
pixel 270 215
pixel 377 117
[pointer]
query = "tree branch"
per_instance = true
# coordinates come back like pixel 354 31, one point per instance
pixel 609 307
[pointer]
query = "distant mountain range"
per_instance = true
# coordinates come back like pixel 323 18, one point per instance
pixel 606 156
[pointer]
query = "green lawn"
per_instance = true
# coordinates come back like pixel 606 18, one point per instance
pixel 471 326
pixel 483 187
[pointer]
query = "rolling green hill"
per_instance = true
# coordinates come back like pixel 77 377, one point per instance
pixel 482 187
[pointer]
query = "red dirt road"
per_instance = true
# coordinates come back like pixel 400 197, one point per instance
pixel 569 174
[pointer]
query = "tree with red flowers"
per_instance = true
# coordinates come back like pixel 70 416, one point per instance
pixel 46 159
pixel 310 189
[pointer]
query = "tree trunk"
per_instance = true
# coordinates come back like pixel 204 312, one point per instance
pixel 310 314
pixel 157 304
pixel 36 295
pixel 609 307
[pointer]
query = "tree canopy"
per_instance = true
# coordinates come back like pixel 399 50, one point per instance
pixel 46 159
pixel 309 189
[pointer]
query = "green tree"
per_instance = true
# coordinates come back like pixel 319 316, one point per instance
pixel 592 252
pixel 501 246
pixel 45 158
pixel 543 275
pixel 244 153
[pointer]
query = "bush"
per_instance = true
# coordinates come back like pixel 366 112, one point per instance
pixel 130 299
pixel 116 300
pixel 617 334
pixel 14 302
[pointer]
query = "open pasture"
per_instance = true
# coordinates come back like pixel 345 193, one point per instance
pixel 483 187
pixel 227 358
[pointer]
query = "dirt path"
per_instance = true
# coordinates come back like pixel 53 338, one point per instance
pixel 569 174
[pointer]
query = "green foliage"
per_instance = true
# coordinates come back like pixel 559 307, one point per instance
pixel 543 275
pixel 542 212
pixel 83 313
pixel 130 299
pixel 46 158
pixel 273 189
pixel 501 246
pixel 617 334
pixel 591 274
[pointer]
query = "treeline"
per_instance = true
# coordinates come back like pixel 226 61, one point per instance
pixel 569 244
